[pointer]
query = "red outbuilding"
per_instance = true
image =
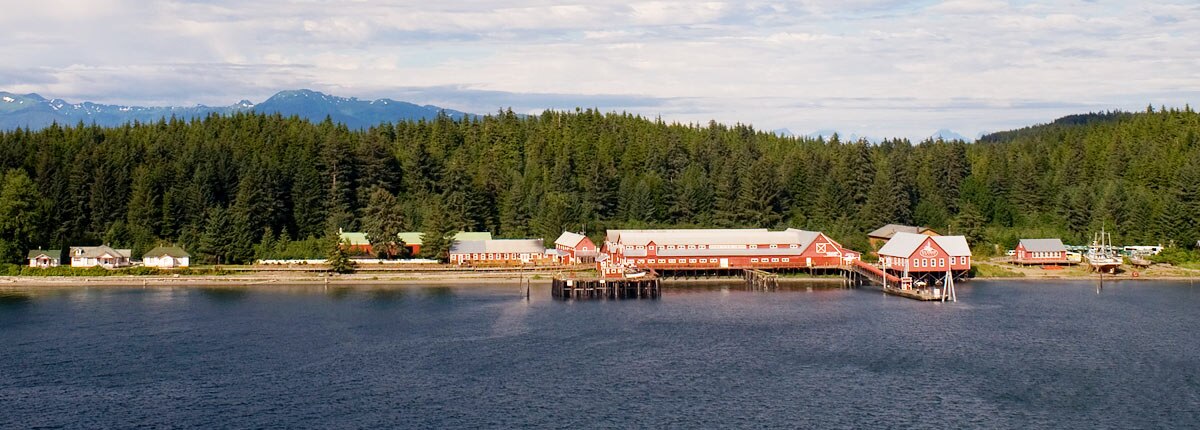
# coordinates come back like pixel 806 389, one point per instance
pixel 575 248
pixel 1040 251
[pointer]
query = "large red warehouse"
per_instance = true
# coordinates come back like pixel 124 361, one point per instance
pixel 702 249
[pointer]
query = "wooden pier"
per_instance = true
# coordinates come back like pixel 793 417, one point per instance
pixel 565 287
pixel 760 280
pixel 861 273
pixel 925 295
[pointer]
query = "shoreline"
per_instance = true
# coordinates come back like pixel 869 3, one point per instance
pixel 269 279
pixel 1086 278
pixel 276 279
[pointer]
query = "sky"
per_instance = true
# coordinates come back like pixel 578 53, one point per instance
pixel 879 68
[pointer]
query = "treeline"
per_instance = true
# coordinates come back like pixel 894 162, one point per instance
pixel 253 186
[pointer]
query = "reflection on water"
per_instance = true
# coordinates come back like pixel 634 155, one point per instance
pixel 386 296
pixel 684 287
pixel 14 299
pixel 225 294
pixel 439 292
pixel 339 292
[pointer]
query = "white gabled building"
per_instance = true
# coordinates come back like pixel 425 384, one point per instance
pixel 45 258
pixel 507 252
pixel 103 256
pixel 166 257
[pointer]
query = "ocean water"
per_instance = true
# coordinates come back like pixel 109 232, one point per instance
pixel 1007 355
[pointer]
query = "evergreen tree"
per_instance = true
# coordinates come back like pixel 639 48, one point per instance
pixel 216 240
pixel 883 205
pixel 557 216
pixel 339 256
pixel 21 215
pixel 383 222
pixel 695 197
pixel 437 236
pixel 970 223
pixel 758 195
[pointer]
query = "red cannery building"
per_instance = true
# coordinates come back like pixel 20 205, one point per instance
pixel 920 256
pixel 713 249
pixel 1040 251
pixel 575 248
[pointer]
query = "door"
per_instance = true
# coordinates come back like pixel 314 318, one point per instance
pixel 724 263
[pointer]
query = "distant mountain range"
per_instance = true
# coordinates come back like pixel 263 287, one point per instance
pixel 35 112
pixel 943 134
pixel 948 135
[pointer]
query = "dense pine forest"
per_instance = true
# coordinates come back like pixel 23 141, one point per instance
pixel 253 186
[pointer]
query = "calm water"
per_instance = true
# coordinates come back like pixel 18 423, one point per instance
pixel 1008 355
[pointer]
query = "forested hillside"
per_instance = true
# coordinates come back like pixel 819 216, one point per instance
pixel 247 185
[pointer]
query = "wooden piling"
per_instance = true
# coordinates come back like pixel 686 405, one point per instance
pixel 565 287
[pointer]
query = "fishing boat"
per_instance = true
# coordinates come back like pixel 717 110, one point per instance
pixel 1101 255
pixel 1138 259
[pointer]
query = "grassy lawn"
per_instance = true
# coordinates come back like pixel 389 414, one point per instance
pixel 989 270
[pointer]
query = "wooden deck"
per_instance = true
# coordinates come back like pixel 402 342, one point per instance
pixel 925 295
pixel 567 287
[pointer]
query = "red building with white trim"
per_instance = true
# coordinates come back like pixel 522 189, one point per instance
pixel 708 249
pixel 1040 251
pixel 920 256
pixel 575 248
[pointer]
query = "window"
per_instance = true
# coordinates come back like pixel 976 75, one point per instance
pixel 703 260
pixel 691 246
pixel 774 260
pixel 793 246
pixel 941 262
pixel 671 260
pixel 774 246
pixel 953 260
pixel 821 247
pixel 787 260
pixel 753 260
pixel 692 261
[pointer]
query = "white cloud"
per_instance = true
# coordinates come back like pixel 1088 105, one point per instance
pixel 969 7
pixel 876 67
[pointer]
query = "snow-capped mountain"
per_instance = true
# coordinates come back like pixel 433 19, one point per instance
pixel 35 112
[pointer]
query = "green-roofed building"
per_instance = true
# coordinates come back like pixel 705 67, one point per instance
pixel 166 257
pixel 45 258
pixel 357 240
